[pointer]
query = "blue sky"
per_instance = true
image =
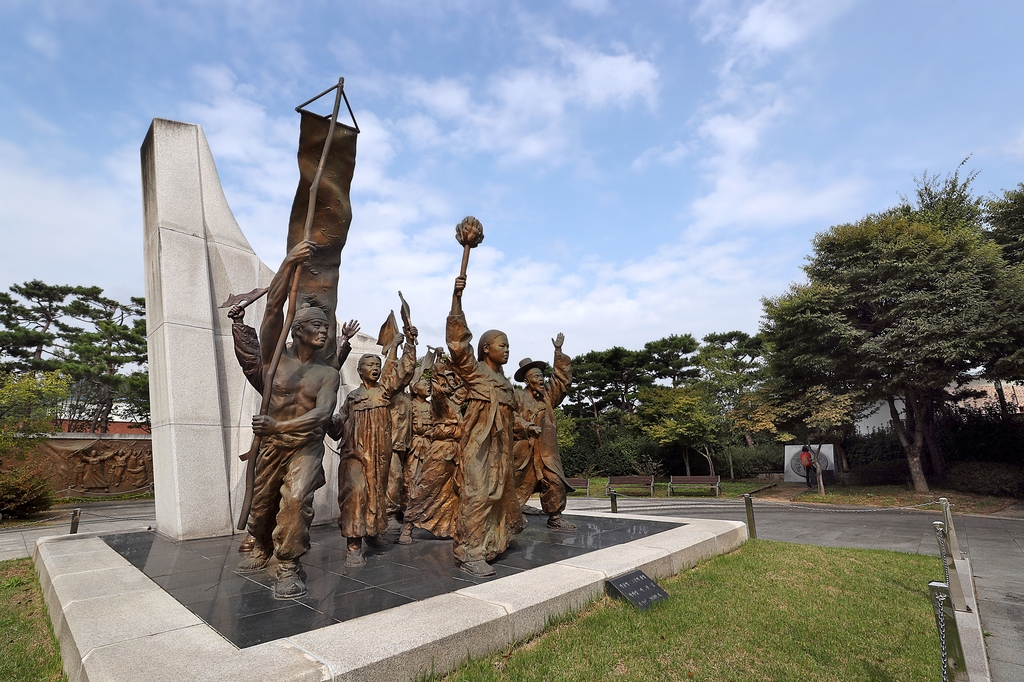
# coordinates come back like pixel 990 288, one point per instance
pixel 640 169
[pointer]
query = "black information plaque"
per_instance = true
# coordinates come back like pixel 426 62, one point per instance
pixel 637 588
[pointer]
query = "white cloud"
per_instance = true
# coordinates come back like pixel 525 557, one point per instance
pixel 527 114
pixel 745 189
pixel 660 155
pixel 595 7
pixel 68 229
pixel 756 29
pixel 402 238
pixel 43 42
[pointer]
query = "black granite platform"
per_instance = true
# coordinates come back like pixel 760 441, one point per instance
pixel 200 573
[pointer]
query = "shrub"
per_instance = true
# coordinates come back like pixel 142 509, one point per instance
pixel 749 462
pixel 23 492
pixel 880 445
pixel 881 472
pixel 622 451
pixel 987 478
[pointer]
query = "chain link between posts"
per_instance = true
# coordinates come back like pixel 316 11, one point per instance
pixel 941 598
pixel 788 505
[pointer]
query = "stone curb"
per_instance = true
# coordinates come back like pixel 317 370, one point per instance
pixel 972 637
pixel 115 624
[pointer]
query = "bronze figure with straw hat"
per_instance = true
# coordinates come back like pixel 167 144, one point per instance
pixel 538 465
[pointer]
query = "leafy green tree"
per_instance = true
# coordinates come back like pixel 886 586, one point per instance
pixel 898 306
pixel 29 404
pixel 30 323
pixel 688 416
pixel 107 360
pixel 1005 218
pixel 731 365
pixel 671 359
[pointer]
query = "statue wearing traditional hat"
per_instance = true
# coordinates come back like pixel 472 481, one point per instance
pixel 538 466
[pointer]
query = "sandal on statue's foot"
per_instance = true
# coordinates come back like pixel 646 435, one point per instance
pixel 406 537
pixel 253 563
pixel 354 558
pixel 561 524
pixel 480 569
pixel 289 587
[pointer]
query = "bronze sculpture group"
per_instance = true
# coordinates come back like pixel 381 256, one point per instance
pixel 447 445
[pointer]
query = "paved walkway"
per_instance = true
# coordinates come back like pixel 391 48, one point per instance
pixel 995 546
pixel 17 542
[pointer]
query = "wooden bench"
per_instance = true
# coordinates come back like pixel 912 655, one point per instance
pixel 714 483
pixel 637 482
pixel 580 484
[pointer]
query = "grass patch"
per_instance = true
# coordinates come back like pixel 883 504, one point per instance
pixel 768 611
pixel 899 496
pixel 28 649
pixel 730 489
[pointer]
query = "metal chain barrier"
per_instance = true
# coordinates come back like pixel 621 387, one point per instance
pixel 100 496
pixel 789 505
pixel 940 535
pixel 941 599
pixel 17 528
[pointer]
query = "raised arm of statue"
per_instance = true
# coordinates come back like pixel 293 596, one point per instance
pixel 395 379
pixel 460 345
pixel 277 296
pixel 561 373
pixel 348 330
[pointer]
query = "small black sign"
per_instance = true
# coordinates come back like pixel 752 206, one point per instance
pixel 637 588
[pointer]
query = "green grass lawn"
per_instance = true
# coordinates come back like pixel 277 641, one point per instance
pixel 28 649
pixel 730 489
pixel 768 611
pixel 901 496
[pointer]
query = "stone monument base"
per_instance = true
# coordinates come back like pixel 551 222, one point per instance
pixel 114 622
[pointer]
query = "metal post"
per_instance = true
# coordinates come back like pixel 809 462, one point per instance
pixel 953 667
pixel 956 590
pixel 615 502
pixel 75 515
pixel 947 518
pixel 751 528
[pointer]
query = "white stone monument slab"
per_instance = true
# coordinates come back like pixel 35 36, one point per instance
pixel 795 471
pixel 195 257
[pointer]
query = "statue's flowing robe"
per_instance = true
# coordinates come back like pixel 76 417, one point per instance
pixel 538 466
pixel 401 437
pixel 366 446
pixel 433 498
pixel 484 525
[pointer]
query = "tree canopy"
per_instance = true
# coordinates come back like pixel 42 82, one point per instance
pixel 97 343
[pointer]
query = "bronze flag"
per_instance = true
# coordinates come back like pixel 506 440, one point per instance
pixel 332 216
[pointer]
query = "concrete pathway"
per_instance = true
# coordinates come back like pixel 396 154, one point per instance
pixel 17 542
pixel 995 546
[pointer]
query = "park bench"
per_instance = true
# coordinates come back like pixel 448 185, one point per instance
pixel 632 482
pixel 580 484
pixel 714 483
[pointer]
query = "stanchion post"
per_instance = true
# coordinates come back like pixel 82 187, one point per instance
pixel 614 497
pixel 956 590
pixel 954 668
pixel 749 504
pixel 947 517
pixel 76 514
